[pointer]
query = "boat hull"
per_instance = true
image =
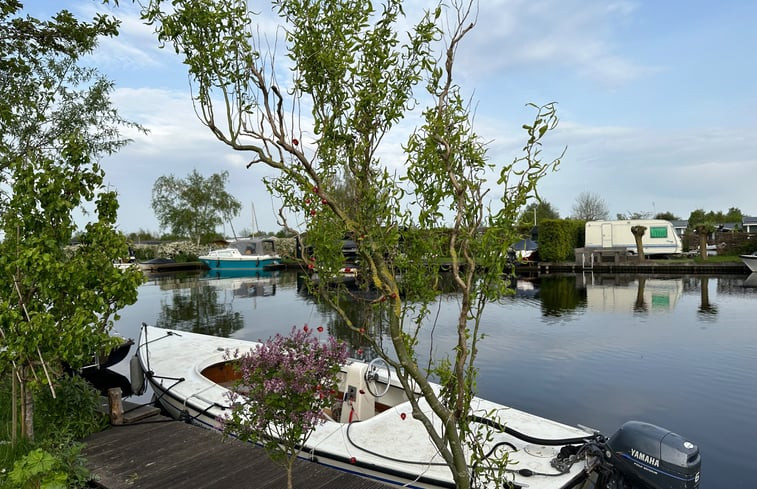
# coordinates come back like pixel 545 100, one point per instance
pixel 750 261
pixel 241 263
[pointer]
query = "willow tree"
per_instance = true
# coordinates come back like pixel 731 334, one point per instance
pixel 638 235
pixel 358 77
pixel 57 304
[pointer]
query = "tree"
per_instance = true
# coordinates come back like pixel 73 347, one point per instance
pixel 56 120
pixel 702 224
pixel 536 212
pixel 638 234
pixel 275 402
pixel 590 207
pixel 633 215
pixel 359 79
pixel 193 206
pixel 667 216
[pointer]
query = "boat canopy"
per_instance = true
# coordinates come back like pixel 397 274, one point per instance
pixel 260 246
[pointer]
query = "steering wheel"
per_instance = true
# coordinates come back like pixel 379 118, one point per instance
pixel 372 376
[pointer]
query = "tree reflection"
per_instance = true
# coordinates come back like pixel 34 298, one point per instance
pixel 707 310
pixel 363 308
pixel 199 309
pixel 640 305
pixel 560 295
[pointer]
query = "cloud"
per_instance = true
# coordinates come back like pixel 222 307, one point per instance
pixel 573 35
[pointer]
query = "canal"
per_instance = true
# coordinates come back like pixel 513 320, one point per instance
pixel 590 349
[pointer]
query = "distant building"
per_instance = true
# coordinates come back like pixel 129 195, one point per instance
pixel 749 224
pixel 680 227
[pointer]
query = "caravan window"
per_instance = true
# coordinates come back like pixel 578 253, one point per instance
pixel 658 232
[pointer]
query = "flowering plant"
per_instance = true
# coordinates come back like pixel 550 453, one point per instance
pixel 285 384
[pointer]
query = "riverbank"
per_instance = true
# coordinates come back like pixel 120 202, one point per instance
pixel 647 267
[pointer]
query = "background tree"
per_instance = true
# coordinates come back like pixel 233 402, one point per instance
pixel 590 207
pixel 58 304
pixel 633 215
pixel 358 76
pixel 702 223
pixel 535 212
pixel 193 206
pixel 667 216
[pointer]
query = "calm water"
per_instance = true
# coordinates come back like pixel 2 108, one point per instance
pixel 596 350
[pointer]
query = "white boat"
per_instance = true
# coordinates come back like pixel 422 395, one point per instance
pixel 376 436
pixel 750 261
pixel 244 254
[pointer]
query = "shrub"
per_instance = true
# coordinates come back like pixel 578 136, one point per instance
pixel 285 384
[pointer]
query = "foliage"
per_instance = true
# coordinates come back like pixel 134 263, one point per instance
pixel 59 468
pixel 358 77
pixel 699 216
pixel 57 120
pixel 590 207
pixel 535 213
pixel 633 215
pixel 72 415
pixel 193 206
pixel 559 238
pixel 275 402
pixel 667 216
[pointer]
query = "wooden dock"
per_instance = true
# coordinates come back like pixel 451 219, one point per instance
pixel 161 453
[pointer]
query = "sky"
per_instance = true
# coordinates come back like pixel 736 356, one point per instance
pixel 657 103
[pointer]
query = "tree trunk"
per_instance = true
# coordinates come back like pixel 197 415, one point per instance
pixel 290 471
pixel 14 407
pixel 638 234
pixel 27 409
pixel 703 245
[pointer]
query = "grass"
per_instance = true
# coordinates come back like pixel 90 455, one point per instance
pixel 58 425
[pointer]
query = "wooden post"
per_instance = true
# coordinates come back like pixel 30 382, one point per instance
pixel 116 406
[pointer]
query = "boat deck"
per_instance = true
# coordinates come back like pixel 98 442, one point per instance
pixel 160 453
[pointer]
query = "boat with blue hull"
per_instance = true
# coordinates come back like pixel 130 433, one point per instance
pixel 244 254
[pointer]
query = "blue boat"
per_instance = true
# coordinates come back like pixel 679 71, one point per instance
pixel 244 254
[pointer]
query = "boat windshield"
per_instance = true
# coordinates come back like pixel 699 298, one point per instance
pixel 254 247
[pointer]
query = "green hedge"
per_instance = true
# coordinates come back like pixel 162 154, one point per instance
pixel 559 237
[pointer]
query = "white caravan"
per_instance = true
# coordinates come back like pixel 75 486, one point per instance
pixel 659 238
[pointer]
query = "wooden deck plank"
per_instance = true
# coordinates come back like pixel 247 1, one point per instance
pixel 171 454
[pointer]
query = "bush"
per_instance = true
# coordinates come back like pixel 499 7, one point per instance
pixel 73 414
pixel 558 239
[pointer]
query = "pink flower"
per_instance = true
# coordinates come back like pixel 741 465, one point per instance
pixel 320 329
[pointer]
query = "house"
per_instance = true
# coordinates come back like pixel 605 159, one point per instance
pixel 749 224
pixel 680 227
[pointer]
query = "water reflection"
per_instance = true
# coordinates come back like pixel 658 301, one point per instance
pixel 706 309
pixel 560 296
pixel 205 303
pixel 626 293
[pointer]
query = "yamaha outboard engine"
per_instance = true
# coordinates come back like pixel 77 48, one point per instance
pixel 645 456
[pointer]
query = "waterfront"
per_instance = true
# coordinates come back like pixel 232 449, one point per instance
pixel 591 349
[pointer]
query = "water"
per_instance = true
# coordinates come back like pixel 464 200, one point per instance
pixel 596 350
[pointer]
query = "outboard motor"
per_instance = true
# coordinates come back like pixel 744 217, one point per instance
pixel 644 456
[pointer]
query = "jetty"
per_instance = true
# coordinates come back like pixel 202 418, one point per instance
pixel 158 452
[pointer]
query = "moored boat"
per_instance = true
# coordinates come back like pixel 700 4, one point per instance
pixel 244 254
pixel 371 431
pixel 750 261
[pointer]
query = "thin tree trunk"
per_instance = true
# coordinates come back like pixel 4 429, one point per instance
pixel 14 407
pixel 27 409
pixel 290 470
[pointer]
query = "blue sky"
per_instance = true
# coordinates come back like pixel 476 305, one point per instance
pixel 657 101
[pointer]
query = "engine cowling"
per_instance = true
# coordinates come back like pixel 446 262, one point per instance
pixel 653 457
